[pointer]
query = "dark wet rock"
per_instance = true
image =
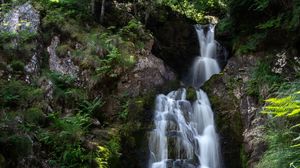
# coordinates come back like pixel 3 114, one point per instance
pixel 237 114
pixel 175 39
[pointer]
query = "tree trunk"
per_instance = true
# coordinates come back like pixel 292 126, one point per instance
pixel 147 11
pixel 93 7
pixel 2 1
pixel 102 11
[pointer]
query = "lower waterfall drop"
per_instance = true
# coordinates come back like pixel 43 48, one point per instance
pixel 184 135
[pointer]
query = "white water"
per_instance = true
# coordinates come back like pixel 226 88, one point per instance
pixel 206 64
pixel 184 134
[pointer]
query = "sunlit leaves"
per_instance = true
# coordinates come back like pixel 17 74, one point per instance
pixel 196 9
pixel 260 5
pixel 286 106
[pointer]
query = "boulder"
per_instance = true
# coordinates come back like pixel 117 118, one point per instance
pixel 148 73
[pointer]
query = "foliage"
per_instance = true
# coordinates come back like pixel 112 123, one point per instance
pixel 123 114
pixel 263 80
pixel 17 65
pixel 283 139
pixel 106 54
pixel 102 157
pixel 275 20
pixel 288 106
pixel 17 43
pixel 114 146
pixel 64 139
pixel 280 153
pixel 33 115
pixel 250 44
pixel 76 7
pixel 135 31
pixel 20 145
pixel 66 92
pixel 197 9
pixel 17 94
pixel 90 107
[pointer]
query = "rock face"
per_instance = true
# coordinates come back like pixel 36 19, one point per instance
pixel 21 18
pixel 24 18
pixel 148 77
pixel 149 72
pixel 64 65
pixel 240 124
pixel 175 39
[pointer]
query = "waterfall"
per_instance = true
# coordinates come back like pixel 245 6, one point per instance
pixel 184 135
pixel 206 64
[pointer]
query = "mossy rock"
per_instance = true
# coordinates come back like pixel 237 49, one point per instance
pixel 18 146
pixel 191 94
pixel 63 49
pixel 34 115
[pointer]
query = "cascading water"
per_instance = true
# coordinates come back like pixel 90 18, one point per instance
pixel 184 134
pixel 206 64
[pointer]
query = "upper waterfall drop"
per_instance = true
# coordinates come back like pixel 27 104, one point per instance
pixel 206 64
pixel 185 134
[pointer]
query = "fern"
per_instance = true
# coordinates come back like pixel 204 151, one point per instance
pixel 288 106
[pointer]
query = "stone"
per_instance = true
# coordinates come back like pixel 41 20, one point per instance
pixel 240 123
pixel 32 67
pixel 149 72
pixel 176 40
pixel 65 65
pixel 24 18
pixel 21 18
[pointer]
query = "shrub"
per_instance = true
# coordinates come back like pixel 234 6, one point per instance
pixel 90 107
pixel 33 115
pixel 102 157
pixel 283 140
pixel 280 153
pixel 65 140
pixel 263 80
pixel 17 65
pixel 16 93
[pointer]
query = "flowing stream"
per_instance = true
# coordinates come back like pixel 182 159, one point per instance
pixel 184 135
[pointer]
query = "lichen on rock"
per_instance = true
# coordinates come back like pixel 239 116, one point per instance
pixel 64 65
pixel 21 18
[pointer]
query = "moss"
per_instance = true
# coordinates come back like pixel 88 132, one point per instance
pixel 227 116
pixel 34 115
pixel 191 94
pixel 140 107
pixel 244 157
pixel 17 65
pixel 63 49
